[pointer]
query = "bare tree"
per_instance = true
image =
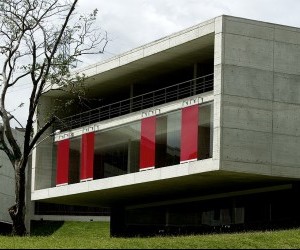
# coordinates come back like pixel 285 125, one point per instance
pixel 40 41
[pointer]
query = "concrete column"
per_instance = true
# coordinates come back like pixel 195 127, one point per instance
pixel 117 222
pixel 211 131
pixel 167 218
pixel 233 208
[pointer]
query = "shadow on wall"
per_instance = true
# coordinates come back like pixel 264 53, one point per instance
pixel 45 228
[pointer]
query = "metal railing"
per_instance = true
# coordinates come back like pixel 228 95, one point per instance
pixel 154 98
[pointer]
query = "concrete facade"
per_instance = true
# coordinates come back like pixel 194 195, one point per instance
pixel 7 183
pixel 7 196
pixel 259 109
pixel 256 110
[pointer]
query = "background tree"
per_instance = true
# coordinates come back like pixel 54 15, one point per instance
pixel 40 41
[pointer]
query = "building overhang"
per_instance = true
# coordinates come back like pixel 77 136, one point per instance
pixel 193 179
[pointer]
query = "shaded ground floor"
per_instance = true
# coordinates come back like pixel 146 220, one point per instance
pixel 258 209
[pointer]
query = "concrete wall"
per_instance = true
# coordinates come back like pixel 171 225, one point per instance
pixel 7 183
pixel 43 156
pixel 6 187
pixel 218 78
pixel 260 111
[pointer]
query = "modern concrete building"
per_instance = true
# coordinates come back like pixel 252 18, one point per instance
pixel 194 131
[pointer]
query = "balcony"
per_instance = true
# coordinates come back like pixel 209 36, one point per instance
pixel 154 98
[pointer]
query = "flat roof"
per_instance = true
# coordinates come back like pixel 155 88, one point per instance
pixel 169 53
pixel 180 49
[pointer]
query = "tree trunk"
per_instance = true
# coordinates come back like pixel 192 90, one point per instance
pixel 17 211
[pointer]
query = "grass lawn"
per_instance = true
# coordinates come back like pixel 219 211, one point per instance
pixel 96 235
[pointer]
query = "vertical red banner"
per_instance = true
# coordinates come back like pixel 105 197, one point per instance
pixel 87 157
pixel 62 165
pixel 189 133
pixel 147 146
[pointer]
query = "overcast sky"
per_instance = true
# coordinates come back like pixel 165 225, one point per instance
pixel 131 23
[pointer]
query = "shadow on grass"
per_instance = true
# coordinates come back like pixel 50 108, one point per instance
pixel 154 231
pixel 45 228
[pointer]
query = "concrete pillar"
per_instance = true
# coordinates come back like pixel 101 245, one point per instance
pixel 211 131
pixel 117 222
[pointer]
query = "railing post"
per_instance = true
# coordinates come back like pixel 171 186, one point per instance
pixel 165 96
pixel 194 81
pixel 153 96
pixel 131 98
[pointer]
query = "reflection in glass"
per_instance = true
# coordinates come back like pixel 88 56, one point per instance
pixel 205 128
pixel 168 139
pixel 117 151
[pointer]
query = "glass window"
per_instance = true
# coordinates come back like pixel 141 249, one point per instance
pixel 205 132
pixel 168 139
pixel 117 151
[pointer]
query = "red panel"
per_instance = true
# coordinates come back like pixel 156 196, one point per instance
pixel 189 133
pixel 62 166
pixel 147 146
pixel 87 157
